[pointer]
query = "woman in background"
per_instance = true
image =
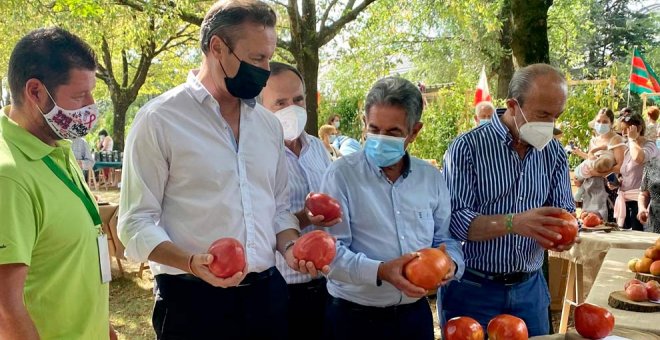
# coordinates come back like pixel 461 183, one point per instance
pixel 328 134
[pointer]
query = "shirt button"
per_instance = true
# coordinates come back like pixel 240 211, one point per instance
pixel 520 198
pixel 403 237
pixel 398 212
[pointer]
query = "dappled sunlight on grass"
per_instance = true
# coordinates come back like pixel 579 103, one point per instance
pixel 131 302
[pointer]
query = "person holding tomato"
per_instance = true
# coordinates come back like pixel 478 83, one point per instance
pixel 393 205
pixel 307 161
pixel 509 183
pixel 205 161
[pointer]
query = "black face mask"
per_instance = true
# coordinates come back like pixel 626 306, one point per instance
pixel 248 82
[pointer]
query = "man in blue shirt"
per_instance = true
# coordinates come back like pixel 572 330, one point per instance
pixel 506 179
pixel 393 205
pixel 346 145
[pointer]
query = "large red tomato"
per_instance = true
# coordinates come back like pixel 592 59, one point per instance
pixel 322 204
pixel 591 220
pixel 429 269
pixel 463 328
pixel 316 246
pixel 507 327
pixel 593 322
pixel 228 257
pixel 568 233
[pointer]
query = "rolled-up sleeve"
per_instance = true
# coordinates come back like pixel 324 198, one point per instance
pixel 348 266
pixel 442 235
pixel 458 176
pixel 284 219
pixel 144 176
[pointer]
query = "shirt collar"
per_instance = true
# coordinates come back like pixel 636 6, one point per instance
pixel 200 93
pixel 407 165
pixel 501 131
pixel 31 146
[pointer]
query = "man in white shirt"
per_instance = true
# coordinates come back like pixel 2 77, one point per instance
pixel 204 161
pixel 307 161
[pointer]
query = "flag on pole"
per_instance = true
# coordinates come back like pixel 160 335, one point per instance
pixel 642 77
pixel 482 93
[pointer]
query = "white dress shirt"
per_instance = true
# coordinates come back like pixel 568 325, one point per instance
pixel 188 181
pixel 305 175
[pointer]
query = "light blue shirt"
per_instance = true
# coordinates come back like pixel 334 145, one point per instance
pixel 305 175
pixel 382 221
pixel 346 145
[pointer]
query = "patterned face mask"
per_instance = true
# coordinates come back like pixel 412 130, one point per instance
pixel 71 124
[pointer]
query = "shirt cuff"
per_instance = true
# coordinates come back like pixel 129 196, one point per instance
pixel 369 272
pixel 140 246
pixel 460 223
pixel 286 221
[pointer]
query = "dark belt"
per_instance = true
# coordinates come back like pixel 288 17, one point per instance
pixel 313 285
pixel 250 278
pixel 506 279
pixel 371 309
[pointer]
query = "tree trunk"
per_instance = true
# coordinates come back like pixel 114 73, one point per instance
pixel 505 67
pixel 309 67
pixel 530 32
pixel 119 123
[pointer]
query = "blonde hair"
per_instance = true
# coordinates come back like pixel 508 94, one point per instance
pixel 326 130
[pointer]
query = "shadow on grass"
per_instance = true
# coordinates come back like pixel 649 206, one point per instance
pixel 131 303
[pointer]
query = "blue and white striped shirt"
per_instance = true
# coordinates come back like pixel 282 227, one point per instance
pixel 305 175
pixel 486 176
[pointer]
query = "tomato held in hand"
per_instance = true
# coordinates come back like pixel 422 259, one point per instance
pixel 429 269
pixel 316 246
pixel 228 257
pixel 507 327
pixel 569 232
pixel 593 322
pixel 463 328
pixel 322 204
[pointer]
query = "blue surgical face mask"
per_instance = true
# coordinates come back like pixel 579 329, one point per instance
pixel 332 138
pixel 384 150
pixel 657 143
pixel 602 129
pixel 484 121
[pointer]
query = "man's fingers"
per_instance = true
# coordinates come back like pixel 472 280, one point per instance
pixel 549 210
pixel 405 258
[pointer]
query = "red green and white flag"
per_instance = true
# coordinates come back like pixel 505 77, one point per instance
pixel 482 93
pixel 642 77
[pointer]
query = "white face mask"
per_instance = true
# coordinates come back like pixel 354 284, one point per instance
pixel 336 124
pixel 602 129
pixel 293 119
pixel 536 134
pixel 71 124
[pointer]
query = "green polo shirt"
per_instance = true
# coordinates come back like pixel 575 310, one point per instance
pixel 44 225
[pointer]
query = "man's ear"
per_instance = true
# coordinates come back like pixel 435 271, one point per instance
pixel 35 92
pixel 415 131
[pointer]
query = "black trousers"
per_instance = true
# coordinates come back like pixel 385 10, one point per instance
pixel 348 320
pixel 307 309
pixel 631 221
pixel 189 308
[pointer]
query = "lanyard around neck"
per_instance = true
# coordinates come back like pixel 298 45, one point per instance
pixel 84 196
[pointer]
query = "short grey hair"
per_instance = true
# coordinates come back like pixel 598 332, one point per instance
pixel 396 91
pixel 484 104
pixel 224 17
pixel 523 79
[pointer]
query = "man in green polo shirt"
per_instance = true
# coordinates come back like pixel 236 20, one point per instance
pixel 51 279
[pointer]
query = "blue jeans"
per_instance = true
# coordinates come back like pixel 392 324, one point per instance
pixel 482 299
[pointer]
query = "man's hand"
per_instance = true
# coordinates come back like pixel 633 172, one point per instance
pixel 533 223
pixel 318 220
pixel 450 273
pixel 200 268
pixel 643 216
pixel 305 267
pixel 564 247
pixel 392 272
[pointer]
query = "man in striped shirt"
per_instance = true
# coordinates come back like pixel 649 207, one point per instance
pixel 506 179
pixel 307 161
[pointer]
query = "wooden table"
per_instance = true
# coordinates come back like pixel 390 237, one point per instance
pixel 612 276
pixel 584 261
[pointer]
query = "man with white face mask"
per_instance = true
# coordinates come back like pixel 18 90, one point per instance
pixel 307 161
pixel 54 264
pixel 505 180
